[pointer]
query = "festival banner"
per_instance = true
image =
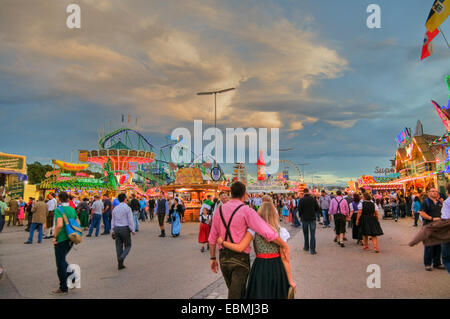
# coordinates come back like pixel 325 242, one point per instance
pixel 12 163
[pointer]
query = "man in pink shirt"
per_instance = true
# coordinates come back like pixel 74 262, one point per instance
pixel 340 209
pixel 231 223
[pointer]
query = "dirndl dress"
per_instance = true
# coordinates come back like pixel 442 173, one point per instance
pixel 203 233
pixel 368 222
pixel 285 211
pixel 21 215
pixel 267 278
pixel 176 223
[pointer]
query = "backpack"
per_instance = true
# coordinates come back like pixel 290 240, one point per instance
pixel 73 229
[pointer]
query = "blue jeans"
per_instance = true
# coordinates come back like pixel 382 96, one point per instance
pixel 32 228
pixel 318 216
pixel 446 255
pixel 95 223
pixel 432 254
pixel 106 222
pixel 326 221
pixel 142 215
pixel 416 218
pixel 309 228
pixel 61 251
pixel 296 221
pixel 395 212
pixel 136 221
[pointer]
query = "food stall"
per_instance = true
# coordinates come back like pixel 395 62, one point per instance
pixel 192 189
pixel 71 178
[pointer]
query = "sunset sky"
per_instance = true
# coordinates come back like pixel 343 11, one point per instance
pixel 339 91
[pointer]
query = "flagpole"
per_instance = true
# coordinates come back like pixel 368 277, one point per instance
pixel 443 35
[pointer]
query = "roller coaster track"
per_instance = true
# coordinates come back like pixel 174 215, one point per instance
pixel 120 131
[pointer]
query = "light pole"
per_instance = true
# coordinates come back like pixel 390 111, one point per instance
pixel 215 111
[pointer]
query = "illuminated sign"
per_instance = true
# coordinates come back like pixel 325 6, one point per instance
pixel 384 170
pixel 403 136
pixel 13 163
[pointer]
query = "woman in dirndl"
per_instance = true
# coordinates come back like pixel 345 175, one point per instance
pixel 21 215
pixel 270 276
pixel 203 234
pixel 176 218
pixel 368 221
pixel 356 233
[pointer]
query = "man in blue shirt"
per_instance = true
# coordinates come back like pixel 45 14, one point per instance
pixel 143 204
pixel 106 214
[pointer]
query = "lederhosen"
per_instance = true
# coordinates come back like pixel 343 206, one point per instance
pixel 235 266
pixel 339 219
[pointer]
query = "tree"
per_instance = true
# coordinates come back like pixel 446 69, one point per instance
pixel 36 172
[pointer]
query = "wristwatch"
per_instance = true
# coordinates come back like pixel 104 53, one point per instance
pixel 213 258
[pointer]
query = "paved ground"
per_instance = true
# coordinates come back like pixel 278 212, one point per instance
pixel 175 267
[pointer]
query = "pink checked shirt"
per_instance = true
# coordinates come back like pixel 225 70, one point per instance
pixel 345 209
pixel 244 218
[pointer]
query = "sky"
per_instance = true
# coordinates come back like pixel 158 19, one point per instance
pixel 338 91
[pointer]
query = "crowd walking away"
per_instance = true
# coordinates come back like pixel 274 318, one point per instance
pixel 233 224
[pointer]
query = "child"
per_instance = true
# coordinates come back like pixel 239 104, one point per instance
pixel 270 276
pixel 204 227
pixel 416 208
pixel 285 211
pixel 21 215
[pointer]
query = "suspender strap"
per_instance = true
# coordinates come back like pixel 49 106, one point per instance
pixel 227 226
pixel 339 206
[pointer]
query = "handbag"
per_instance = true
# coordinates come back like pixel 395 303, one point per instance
pixel 291 294
pixel 73 229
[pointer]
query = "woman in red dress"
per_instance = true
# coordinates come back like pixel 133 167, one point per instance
pixel 203 234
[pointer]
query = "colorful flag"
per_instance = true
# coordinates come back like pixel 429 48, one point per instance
pixel 439 12
pixel 443 114
pixel 129 118
pixel 427 48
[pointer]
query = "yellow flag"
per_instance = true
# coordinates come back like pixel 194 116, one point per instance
pixel 439 12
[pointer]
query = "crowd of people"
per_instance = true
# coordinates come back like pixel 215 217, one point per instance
pixel 231 224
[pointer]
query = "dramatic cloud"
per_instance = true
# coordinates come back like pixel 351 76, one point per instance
pixel 152 65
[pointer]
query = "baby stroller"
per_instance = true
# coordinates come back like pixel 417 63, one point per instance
pixel 387 211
